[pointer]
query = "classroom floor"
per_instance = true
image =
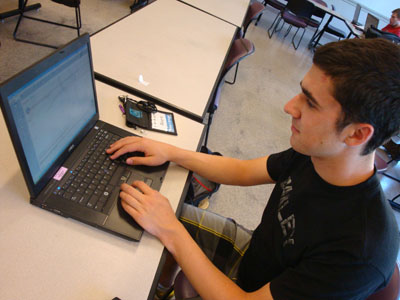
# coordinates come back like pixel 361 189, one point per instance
pixel 250 121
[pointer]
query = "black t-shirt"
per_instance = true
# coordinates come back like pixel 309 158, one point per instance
pixel 319 241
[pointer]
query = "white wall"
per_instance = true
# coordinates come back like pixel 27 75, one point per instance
pixel 383 7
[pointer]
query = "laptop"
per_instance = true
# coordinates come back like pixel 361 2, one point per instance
pixel 371 21
pixel 52 116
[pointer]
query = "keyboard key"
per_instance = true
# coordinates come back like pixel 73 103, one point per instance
pixel 67 195
pixel 75 197
pixel 83 200
pixel 99 206
pixel 92 201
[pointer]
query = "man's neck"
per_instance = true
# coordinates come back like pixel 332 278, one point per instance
pixel 345 170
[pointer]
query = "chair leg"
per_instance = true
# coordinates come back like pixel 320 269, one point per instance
pixel 77 27
pixel 234 78
pixel 317 38
pixel 78 19
pixel 298 44
pixel 288 30
pixel 245 30
pixel 258 19
pixel 391 177
pixel 394 204
pixel 21 14
pixel 273 25
pixel 210 117
pixel 312 38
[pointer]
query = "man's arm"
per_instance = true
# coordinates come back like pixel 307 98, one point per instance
pixel 220 169
pixel 154 213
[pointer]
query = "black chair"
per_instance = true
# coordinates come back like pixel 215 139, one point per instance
pixel 296 13
pixel 373 32
pixel 386 158
pixel 240 49
pixel 137 4
pixel 70 3
pixel 328 28
pixel 277 5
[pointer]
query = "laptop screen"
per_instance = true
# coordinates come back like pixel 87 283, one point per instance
pixel 50 110
pixel 371 21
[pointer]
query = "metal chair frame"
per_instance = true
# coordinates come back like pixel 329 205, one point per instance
pixel 254 12
pixel 314 42
pixel 214 103
pixel 280 18
pixel 22 15
pixel 382 166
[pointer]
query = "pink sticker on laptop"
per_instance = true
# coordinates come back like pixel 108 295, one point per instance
pixel 60 173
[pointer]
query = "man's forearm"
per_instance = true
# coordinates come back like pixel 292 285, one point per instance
pixel 222 169
pixel 206 279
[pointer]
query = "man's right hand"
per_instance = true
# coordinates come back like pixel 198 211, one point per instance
pixel 155 153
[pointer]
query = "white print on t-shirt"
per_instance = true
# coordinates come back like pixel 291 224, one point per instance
pixel 287 223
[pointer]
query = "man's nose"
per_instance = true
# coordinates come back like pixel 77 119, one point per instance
pixel 292 107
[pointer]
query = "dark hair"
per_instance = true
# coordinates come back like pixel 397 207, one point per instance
pixel 397 12
pixel 366 82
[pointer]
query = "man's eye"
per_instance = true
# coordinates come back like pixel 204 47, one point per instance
pixel 310 103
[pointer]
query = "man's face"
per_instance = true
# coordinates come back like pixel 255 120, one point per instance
pixel 394 20
pixel 314 116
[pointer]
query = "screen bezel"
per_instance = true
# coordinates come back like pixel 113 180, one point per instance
pixel 11 85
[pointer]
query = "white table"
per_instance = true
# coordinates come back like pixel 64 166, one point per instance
pixel 353 29
pixel 179 52
pixel 45 256
pixel 232 11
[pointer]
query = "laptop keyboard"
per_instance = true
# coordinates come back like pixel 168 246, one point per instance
pixel 92 182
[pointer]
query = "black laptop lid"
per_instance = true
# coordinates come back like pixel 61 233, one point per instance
pixel 371 20
pixel 49 107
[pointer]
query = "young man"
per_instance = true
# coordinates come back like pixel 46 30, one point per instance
pixel 327 231
pixel 394 23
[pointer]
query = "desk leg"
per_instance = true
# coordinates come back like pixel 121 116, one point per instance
pixel 15 12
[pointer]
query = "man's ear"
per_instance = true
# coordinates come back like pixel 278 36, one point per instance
pixel 358 134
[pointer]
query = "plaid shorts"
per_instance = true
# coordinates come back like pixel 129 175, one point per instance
pixel 221 239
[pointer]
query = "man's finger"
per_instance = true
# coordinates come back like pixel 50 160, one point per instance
pixel 143 187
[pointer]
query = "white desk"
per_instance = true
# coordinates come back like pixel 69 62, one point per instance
pixel 232 11
pixel 178 50
pixel 45 256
